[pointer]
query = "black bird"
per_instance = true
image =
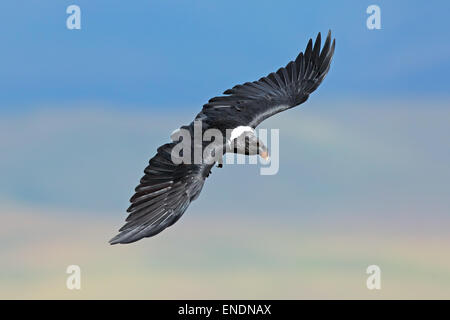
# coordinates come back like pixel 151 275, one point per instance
pixel 171 183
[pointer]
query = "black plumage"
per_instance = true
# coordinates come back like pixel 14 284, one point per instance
pixel 167 189
pixel 252 102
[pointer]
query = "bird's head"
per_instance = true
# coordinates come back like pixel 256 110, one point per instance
pixel 246 142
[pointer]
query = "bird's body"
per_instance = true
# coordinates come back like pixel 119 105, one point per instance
pixel 173 179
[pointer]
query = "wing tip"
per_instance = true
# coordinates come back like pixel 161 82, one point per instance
pixel 126 236
pixel 319 38
pixel 123 238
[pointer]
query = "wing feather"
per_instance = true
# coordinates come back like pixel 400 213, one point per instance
pixel 163 195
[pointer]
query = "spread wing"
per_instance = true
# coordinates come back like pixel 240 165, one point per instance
pixel 163 195
pixel 252 102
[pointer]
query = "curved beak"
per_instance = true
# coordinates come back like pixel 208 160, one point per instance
pixel 265 155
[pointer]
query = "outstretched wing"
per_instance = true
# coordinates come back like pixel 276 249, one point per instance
pixel 163 195
pixel 167 189
pixel 251 103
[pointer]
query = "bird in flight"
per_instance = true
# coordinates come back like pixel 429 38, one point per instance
pixel 172 180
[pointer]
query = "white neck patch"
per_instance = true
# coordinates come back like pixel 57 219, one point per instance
pixel 236 132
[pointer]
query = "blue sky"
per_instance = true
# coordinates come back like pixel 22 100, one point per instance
pixel 178 54
pixel 90 106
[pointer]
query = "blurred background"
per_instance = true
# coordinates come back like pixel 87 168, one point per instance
pixel 364 165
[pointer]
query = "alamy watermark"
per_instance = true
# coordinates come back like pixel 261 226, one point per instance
pixel 197 146
pixel 374 280
pixel 74 20
pixel 73 281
